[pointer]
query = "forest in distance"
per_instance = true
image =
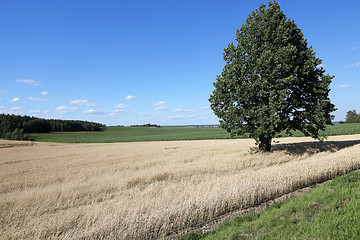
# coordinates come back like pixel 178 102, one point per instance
pixel 16 127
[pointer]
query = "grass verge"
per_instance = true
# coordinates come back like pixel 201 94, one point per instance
pixel 330 211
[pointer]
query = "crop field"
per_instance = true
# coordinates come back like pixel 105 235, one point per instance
pixel 134 134
pixel 140 134
pixel 148 190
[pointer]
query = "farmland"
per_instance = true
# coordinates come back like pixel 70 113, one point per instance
pixel 148 190
pixel 140 134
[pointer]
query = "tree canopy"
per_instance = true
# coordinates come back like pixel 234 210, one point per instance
pixel 352 117
pixel 272 81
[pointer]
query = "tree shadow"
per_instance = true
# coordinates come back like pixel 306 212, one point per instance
pixel 312 148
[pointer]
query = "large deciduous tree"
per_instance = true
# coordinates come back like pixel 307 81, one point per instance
pixel 272 81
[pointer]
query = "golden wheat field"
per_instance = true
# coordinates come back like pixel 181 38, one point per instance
pixel 148 190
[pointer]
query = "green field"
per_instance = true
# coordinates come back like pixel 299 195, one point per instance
pixel 134 134
pixel 330 211
pixel 139 134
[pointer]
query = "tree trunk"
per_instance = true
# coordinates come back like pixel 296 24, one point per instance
pixel 264 144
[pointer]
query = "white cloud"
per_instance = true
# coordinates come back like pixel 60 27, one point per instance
pixel 93 111
pixel 119 111
pixel 64 109
pixel 44 93
pixel 120 105
pixel 39 113
pixel 13 110
pixel 353 65
pixel 46 113
pixel 16 110
pixel 205 108
pixel 182 110
pixel 160 105
pixel 83 102
pixel 130 97
pixel 116 112
pixel 3 91
pixel 344 86
pixel 17 100
pixel 0 98
pixel 37 99
pixel 353 48
pixel 160 108
pixel 29 81
pixel 34 112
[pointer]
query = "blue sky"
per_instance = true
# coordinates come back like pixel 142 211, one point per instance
pixel 136 62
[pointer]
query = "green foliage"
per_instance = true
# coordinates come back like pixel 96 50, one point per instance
pixel 272 81
pixel 330 211
pixel 15 127
pixel 352 117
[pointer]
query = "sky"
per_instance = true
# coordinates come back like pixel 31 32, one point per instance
pixel 136 62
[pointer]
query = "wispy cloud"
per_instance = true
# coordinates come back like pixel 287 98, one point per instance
pixel 13 110
pixel 205 108
pixel 83 102
pixel 94 111
pixel 34 111
pixel 354 48
pixel 160 105
pixel 0 98
pixel 119 111
pixel 130 97
pixel 344 86
pixel 183 110
pixel 37 99
pixel 64 109
pixel 116 112
pixel 16 110
pixel 3 90
pixel 29 81
pixel 39 113
pixel 16 99
pixel 44 93
pixel 353 65
pixel 121 105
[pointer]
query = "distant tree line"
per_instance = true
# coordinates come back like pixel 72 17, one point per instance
pixel 16 127
pixel 146 125
pixel 352 117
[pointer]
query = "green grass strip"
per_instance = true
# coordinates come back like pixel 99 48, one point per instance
pixel 330 211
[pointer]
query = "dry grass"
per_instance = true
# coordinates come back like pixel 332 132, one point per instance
pixel 150 189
